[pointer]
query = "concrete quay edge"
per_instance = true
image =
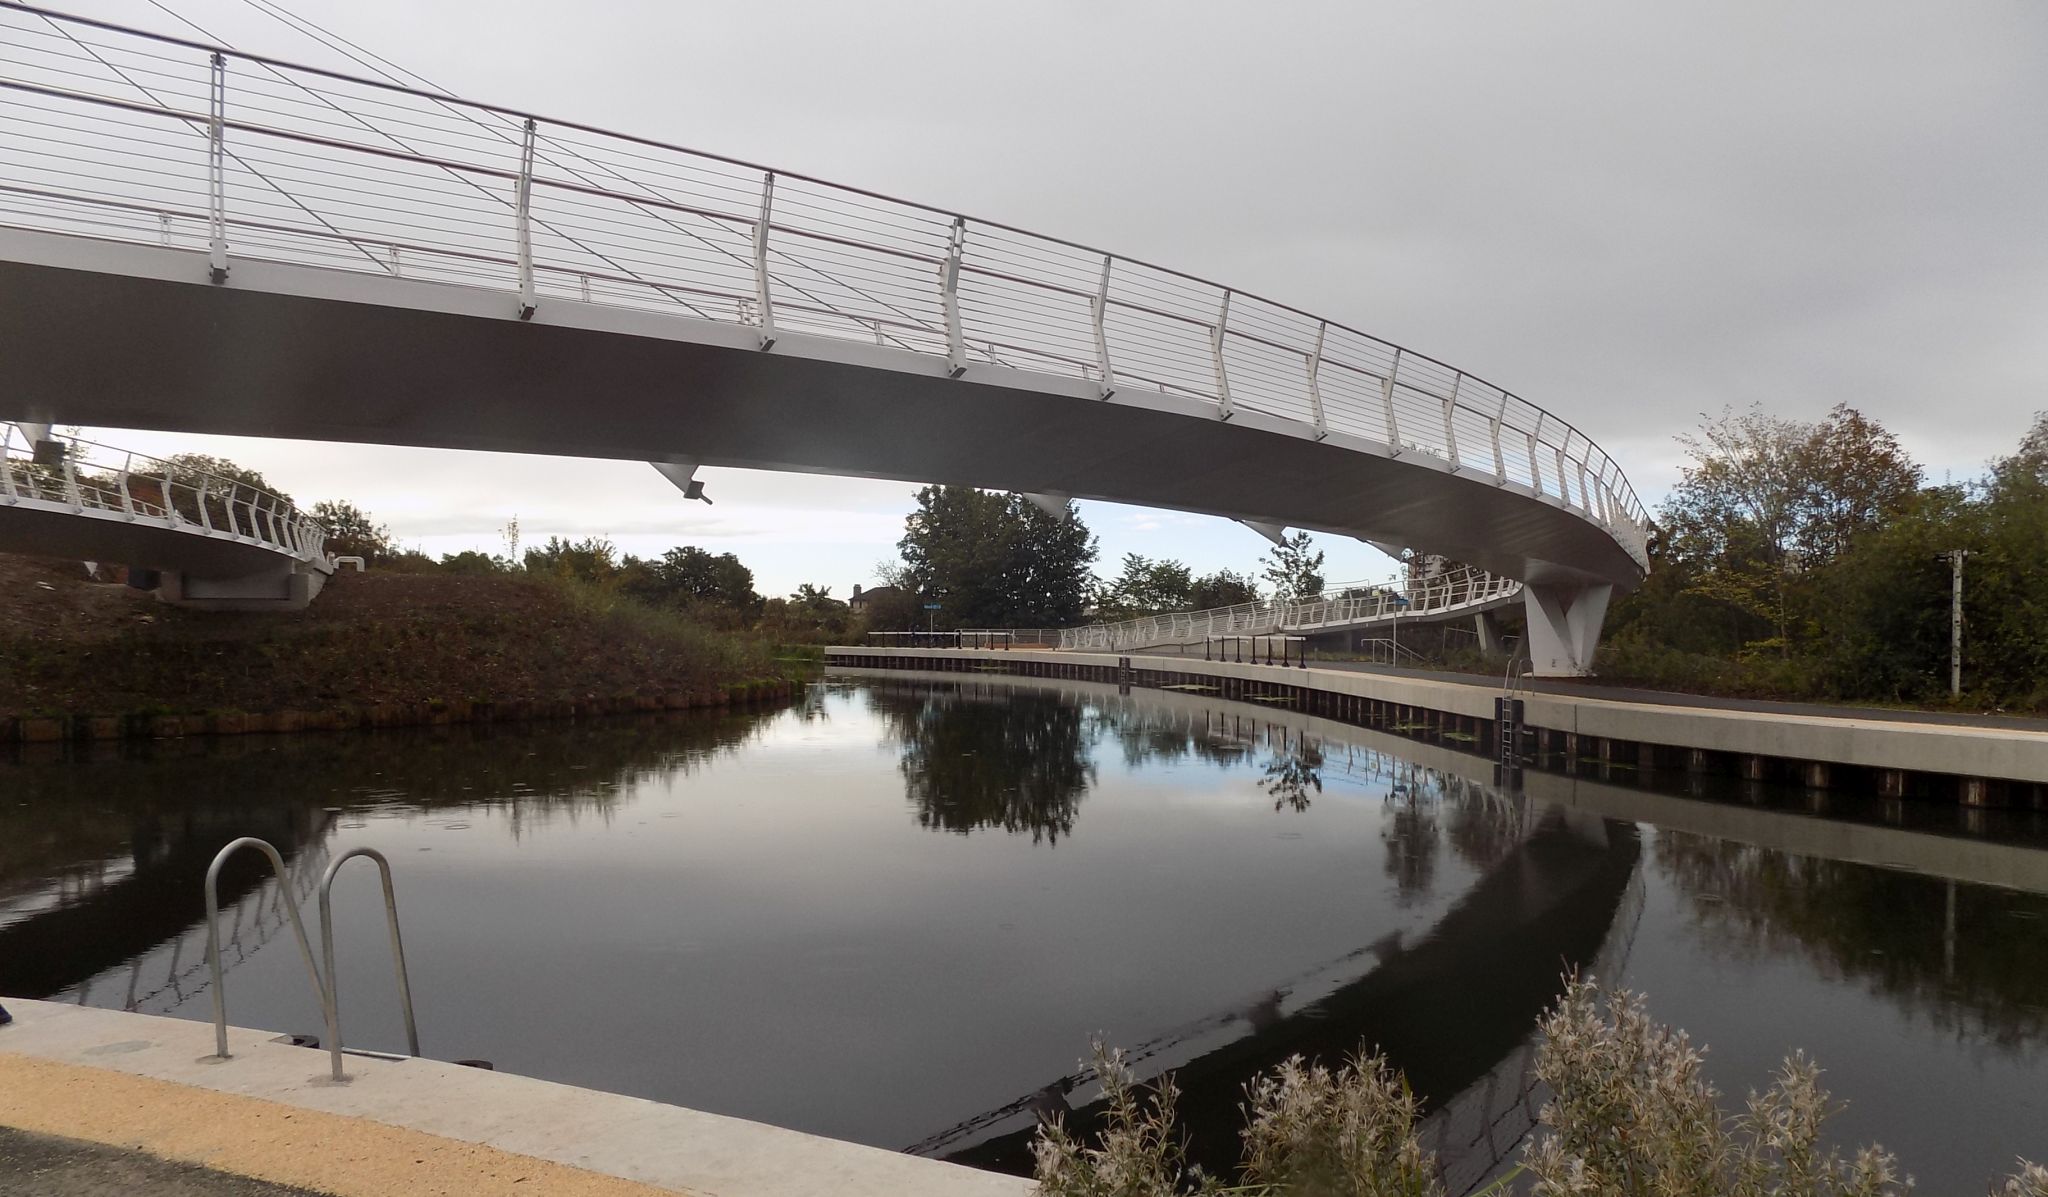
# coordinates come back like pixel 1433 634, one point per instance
pixel 2005 754
pixel 656 1147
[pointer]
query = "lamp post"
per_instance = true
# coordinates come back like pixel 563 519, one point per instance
pixel 1955 558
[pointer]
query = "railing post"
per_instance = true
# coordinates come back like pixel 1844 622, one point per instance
pixel 216 171
pixel 1387 397
pixel 71 491
pixel 1500 461
pixel 1564 478
pixel 1535 463
pixel 1315 386
pixel 1099 310
pixel 171 517
pixel 1450 423
pixel 121 484
pixel 1216 334
pixel 234 528
pixel 949 298
pixel 762 299
pixel 523 222
pixel 7 467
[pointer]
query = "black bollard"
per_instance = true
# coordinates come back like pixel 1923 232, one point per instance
pixel 5 1017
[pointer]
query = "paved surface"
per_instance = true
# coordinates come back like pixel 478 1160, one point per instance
pixel 1577 689
pixel 47 1166
pixel 409 1126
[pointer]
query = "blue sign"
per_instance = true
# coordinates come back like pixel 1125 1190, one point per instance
pixel 931 606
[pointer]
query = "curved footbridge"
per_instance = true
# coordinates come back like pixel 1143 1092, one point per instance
pixel 198 239
pixel 209 541
pixel 1350 608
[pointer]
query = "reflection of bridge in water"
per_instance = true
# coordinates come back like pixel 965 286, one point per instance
pixel 1455 1010
pixel 69 937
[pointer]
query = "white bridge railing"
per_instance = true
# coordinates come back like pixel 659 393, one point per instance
pixel 118 133
pixel 85 477
pixel 1354 604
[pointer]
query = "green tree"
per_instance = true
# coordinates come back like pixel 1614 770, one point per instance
pixel 687 576
pixel 353 532
pixel 1295 569
pixel 1224 588
pixel 1147 586
pixel 471 562
pixel 592 559
pixel 994 560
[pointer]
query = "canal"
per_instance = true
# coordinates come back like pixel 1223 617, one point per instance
pixel 896 912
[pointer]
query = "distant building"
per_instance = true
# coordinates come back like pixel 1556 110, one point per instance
pixel 861 598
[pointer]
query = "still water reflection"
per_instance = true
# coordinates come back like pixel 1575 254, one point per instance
pixel 896 911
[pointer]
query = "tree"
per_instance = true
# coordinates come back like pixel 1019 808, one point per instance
pixel 993 560
pixel 1850 477
pixel 1769 501
pixel 1223 588
pixel 352 532
pixel 1146 586
pixel 687 576
pixel 471 562
pixel 1295 568
pixel 592 559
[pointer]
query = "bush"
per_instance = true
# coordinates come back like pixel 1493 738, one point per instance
pixel 1631 1115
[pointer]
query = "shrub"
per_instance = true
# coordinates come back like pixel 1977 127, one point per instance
pixel 1631 1115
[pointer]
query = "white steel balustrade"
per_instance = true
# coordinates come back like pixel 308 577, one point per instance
pixel 1461 591
pixel 97 481
pixel 139 137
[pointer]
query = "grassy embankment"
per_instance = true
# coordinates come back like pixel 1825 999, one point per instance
pixel 79 658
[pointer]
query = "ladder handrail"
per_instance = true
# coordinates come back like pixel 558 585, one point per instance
pixel 333 1011
pixel 291 905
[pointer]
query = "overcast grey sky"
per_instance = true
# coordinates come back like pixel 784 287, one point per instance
pixel 1628 213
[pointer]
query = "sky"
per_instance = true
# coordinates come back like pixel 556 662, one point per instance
pixel 1630 214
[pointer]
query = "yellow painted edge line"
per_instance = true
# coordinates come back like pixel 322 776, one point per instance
pixel 247 1136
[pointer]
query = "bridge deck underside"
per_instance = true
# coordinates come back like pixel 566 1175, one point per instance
pixel 284 352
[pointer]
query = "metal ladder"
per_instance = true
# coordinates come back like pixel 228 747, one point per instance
pixel 327 990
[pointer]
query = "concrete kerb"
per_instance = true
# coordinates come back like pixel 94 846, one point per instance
pixel 667 1147
pixel 2001 754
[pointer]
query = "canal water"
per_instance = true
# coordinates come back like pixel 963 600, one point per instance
pixel 897 911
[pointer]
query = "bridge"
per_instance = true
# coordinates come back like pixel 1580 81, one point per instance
pixel 213 542
pixel 289 251
pixel 1350 607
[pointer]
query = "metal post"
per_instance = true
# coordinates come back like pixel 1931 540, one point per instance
pixel 216 171
pixel 1500 463
pixel 1387 397
pixel 1315 388
pixel 291 905
pixel 1956 558
pixel 762 299
pixel 121 483
pixel 949 298
pixel 333 1004
pixel 1099 310
pixel 1450 424
pixel 1216 334
pixel 523 222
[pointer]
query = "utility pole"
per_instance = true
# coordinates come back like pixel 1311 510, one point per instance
pixel 1955 558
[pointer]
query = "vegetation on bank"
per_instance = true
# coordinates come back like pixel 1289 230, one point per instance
pixel 1808 561
pixel 1630 1114
pixel 69 645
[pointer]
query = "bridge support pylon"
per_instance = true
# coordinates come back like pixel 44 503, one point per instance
pixel 1564 626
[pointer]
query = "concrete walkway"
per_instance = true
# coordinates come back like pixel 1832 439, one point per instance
pixel 1576 688
pixel 136 1094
